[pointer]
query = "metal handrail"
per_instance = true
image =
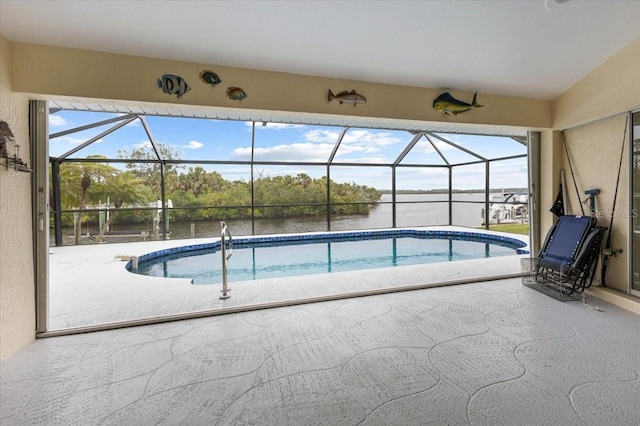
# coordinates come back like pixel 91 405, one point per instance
pixel 224 232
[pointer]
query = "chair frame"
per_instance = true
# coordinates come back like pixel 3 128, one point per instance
pixel 577 272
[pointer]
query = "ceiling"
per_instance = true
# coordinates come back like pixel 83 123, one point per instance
pixel 535 49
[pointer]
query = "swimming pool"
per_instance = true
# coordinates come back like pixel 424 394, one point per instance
pixel 256 258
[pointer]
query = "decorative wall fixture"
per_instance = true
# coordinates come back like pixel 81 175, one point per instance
pixel 7 145
pixel 210 77
pixel 236 93
pixel 346 97
pixel 173 85
pixel 451 106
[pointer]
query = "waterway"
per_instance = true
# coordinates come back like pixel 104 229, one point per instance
pixel 411 210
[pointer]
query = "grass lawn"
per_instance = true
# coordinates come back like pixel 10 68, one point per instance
pixel 513 228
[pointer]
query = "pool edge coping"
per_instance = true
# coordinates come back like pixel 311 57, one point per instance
pixel 523 248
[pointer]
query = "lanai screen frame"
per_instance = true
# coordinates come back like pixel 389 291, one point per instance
pixel 432 136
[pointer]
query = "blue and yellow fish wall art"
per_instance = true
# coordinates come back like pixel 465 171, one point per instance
pixel 236 93
pixel 173 85
pixel 210 77
pixel 451 106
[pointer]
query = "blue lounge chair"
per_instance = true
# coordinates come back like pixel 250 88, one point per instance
pixel 569 256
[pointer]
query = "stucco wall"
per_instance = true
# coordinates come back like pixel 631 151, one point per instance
pixel 593 111
pixel 88 74
pixel 17 306
pixel 550 165
pixel 612 88
pixel 595 151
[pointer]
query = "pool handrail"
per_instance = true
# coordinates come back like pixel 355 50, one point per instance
pixel 224 232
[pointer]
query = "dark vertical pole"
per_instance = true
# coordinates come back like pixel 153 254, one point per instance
pixel 57 204
pixel 450 195
pixel 328 198
pixel 329 161
pixel 253 199
pixel 533 158
pixel 393 195
pixel 394 251
pixel 487 188
pixel 163 198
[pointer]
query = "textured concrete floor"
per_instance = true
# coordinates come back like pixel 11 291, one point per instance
pixel 494 353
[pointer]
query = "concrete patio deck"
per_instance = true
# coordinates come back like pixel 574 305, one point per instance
pixel 487 353
pixel 89 284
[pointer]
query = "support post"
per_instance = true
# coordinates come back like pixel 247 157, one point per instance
pixel 450 196
pixel 393 196
pixel 165 213
pixel 39 149
pixel 57 204
pixel 533 148
pixel 487 188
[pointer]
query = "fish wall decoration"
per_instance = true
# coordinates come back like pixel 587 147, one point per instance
pixel 173 85
pixel 451 106
pixel 210 77
pixel 348 97
pixel 236 93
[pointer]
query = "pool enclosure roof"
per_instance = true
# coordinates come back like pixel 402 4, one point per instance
pixel 218 135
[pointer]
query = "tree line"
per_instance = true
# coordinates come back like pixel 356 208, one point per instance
pixel 196 194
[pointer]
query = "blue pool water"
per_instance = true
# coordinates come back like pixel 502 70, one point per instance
pixel 257 258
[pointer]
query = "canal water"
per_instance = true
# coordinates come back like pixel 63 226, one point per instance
pixel 411 210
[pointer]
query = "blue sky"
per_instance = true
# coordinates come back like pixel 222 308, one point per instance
pixel 206 139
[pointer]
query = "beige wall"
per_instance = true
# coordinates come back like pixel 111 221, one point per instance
pixel 51 72
pixel 595 155
pixel 17 295
pixel 550 161
pixel 593 113
pixel 612 88
pixel 87 74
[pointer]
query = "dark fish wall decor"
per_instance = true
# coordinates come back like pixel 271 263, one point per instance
pixel 348 97
pixel 173 85
pixel 451 106
pixel 210 77
pixel 236 93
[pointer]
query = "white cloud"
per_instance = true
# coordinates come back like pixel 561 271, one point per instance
pixel 144 144
pixel 290 152
pixel 369 138
pixel 57 120
pixel 193 145
pixel 321 136
pixel 442 146
pixel 275 126
pixel 422 178
pixel 351 149
pixel 354 142
pixel 423 148
pixel 72 141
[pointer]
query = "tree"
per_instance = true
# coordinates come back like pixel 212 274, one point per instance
pixel 77 187
pixel 150 171
pixel 123 188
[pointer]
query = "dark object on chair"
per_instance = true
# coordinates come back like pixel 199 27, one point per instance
pixel 568 259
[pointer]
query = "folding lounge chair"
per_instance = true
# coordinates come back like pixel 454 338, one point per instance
pixel 568 259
